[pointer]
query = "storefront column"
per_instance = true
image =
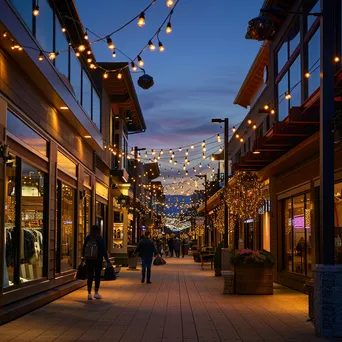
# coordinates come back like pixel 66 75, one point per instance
pixel 51 243
pixel 3 116
pixel 328 284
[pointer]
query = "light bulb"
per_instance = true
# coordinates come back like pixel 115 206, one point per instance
pixel 161 47
pixel 77 54
pixel 212 158
pixel 141 20
pixel 89 60
pixel 140 61
pixel 187 153
pixel 203 156
pixel 81 48
pixel 254 126
pixel 105 75
pixel 86 35
pixel 53 55
pixel 272 111
pixel 92 66
pixel 169 3
pixel 192 147
pixel 203 143
pixel 221 149
pixel 336 59
pixel 288 96
pixel 168 28
pixel 307 75
pixel 110 43
pixel 266 107
pixel 152 46
pixel 89 52
pixel 5 34
pixel 134 67
pixel 234 129
pixel 36 11
pixel 200 165
pixel 63 29
pixel 241 140
pixel 114 54
pixel 237 136
pixel 119 76
pixel 41 56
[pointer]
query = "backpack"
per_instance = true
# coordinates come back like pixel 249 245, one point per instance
pixel 91 251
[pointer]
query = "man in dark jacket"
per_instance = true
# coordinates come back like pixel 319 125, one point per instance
pixel 94 265
pixel 145 250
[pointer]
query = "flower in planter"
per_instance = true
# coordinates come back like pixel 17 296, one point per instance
pixel 249 256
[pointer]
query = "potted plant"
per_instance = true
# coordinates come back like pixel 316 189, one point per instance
pixel 218 259
pixel 337 125
pixel 253 271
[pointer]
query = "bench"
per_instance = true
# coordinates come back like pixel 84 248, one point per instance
pixel 206 258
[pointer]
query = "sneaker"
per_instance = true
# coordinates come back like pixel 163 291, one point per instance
pixel 90 297
pixel 149 282
pixel 97 296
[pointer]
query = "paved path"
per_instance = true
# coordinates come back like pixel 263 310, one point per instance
pixel 184 303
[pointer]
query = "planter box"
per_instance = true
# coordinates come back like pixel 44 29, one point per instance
pixel 254 279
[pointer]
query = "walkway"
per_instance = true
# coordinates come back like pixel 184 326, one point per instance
pixel 183 304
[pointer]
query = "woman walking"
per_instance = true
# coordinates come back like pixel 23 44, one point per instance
pixel 177 247
pixel 94 251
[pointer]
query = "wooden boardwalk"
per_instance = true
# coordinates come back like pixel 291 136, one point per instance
pixel 184 303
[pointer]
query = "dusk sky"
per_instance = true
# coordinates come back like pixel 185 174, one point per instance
pixel 205 61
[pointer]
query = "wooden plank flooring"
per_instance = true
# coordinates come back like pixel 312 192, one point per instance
pixel 184 303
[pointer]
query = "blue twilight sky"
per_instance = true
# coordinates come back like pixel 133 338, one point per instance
pixel 205 61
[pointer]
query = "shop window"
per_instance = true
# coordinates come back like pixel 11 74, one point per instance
pixel 312 6
pixel 32 228
pixel 283 104
pixel 62 61
pixel 282 56
pixel 294 36
pixel 66 227
pixel 297 235
pixel 75 75
pixel 10 223
pixel 44 25
pixel 118 230
pixel 249 233
pixel 96 109
pixel 24 8
pixel 313 62
pixel 295 79
pixel 20 131
pixel 86 93
pixel 66 165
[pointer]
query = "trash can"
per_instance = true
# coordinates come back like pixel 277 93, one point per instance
pixel 132 259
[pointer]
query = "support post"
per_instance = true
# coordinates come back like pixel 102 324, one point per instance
pixel 226 175
pixel 134 232
pixel 206 230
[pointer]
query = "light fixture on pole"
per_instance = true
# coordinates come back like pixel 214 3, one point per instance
pixel 226 173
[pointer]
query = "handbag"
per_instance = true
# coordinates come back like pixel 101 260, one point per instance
pixel 81 272
pixel 109 273
pixel 159 261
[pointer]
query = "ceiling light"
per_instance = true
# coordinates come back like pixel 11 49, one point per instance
pixel 64 108
pixel 87 136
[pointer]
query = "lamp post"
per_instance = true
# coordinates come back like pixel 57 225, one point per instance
pixel 206 233
pixel 135 231
pixel 226 173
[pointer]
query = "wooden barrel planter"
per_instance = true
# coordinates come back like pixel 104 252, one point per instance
pixel 254 279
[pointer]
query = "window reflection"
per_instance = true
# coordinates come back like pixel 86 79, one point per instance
pixel 10 208
pixel 62 62
pixel 24 133
pixel 295 85
pixel 44 25
pixel 313 62
pixel 31 234
pixel 313 6
pixel 294 36
pixel 96 109
pixel 67 228
pixel 86 94
pixel 24 8
pixel 282 56
pixel 75 75
pixel 66 165
pixel 283 104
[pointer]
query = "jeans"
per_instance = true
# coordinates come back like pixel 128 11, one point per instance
pixel 177 254
pixel 93 266
pixel 146 264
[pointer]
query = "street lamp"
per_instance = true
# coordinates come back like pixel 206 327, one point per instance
pixel 135 232
pixel 206 233
pixel 226 173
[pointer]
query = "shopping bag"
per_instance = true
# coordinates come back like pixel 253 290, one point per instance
pixel 81 272
pixel 109 273
pixel 159 261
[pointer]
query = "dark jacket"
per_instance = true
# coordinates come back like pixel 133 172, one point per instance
pixel 146 248
pixel 176 245
pixel 102 248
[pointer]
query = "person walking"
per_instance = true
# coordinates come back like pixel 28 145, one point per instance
pixel 183 244
pixel 171 246
pixel 93 252
pixel 176 247
pixel 146 249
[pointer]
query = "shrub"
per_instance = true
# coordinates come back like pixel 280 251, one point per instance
pixel 249 256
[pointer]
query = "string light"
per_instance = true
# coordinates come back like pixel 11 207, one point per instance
pixel 221 149
pixel 336 59
pixel 234 129
pixel 77 54
pixel 288 96
pixel 86 35
pixel 114 54
pixel 81 48
pixel 272 111
pixel 237 136
pixel 266 107
pixel 53 55
pixel 161 47
pixel 161 151
pixel 192 147
pixel 203 156
pixel 41 56
pixel 168 28
pixel 105 75
pixel 200 165
pixel 254 126
pixel 141 20
pixel 151 45
pixel 307 75
pixel 187 152
pixel 218 138
pixel 5 34
pixel 249 121
pixel 89 60
pixel 140 61
pixel 134 67
pixel 241 140
pixel 36 11
pixel 169 3
pixel 119 76
pixel 63 29
pixel 110 43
